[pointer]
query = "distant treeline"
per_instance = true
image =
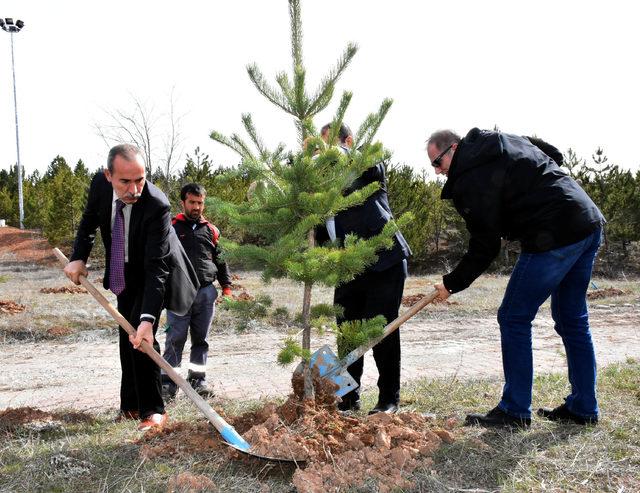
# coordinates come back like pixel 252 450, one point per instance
pixel 54 201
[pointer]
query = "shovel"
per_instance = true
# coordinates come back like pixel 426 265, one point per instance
pixel 330 367
pixel 228 432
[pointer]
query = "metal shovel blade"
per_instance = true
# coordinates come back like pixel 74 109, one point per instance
pixel 328 365
pixel 335 370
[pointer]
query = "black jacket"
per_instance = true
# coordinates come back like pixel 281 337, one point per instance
pixel 506 187
pixel 157 261
pixel 368 219
pixel 200 242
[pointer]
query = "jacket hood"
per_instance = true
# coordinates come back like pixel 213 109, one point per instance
pixel 477 148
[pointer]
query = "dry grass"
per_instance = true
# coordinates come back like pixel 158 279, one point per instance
pixel 549 456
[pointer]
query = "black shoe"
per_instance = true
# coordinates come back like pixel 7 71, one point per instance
pixel 497 418
pixel 201 387
pixel 388 408
pixel 169 391
pixel 562 413
pixel 349 405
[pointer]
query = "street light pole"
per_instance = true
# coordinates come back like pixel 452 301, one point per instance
pixel 8 26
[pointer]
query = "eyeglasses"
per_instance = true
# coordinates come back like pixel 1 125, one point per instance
pixel 437 161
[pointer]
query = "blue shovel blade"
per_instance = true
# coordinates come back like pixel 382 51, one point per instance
pixel 327 363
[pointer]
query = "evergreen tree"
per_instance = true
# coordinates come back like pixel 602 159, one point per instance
pixel 296 191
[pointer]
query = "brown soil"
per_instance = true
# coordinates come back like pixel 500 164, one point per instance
pixel 332 451
pixel 236 287
pixel 11 307
pixel 73 289
pixel 599 294
pixel 13 418
pixel 244 296
pixel 235 277
pixel 180 439
pixel 59 331
pixel 26 245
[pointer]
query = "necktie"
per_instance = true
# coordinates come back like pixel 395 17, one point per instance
pixel 116 267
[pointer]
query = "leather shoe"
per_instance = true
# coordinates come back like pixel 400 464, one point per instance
pixel 127 415
pixel 562 413
pixel 156 421
pixel 388 408
pixel 497 418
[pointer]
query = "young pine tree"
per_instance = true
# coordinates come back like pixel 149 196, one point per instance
pixel 294 192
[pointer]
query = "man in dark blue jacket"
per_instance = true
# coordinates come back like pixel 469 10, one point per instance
pixel 378 290
pixel 504 186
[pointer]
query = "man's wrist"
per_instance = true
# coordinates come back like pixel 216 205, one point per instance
pixel 145 317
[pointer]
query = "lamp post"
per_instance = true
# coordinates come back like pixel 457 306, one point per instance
pixel 8 26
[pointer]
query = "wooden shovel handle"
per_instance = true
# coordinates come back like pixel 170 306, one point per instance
pixel 358 352
pixel 206 409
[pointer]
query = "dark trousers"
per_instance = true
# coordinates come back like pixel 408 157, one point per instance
pixel 368 295
pixel 140 387
pixel 196 322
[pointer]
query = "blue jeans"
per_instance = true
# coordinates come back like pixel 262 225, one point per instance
pixel 563 274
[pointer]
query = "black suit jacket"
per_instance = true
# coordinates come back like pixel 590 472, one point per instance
pixel 158 266
pixel 368 219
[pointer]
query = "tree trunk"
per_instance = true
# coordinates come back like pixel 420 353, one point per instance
pixel 306 328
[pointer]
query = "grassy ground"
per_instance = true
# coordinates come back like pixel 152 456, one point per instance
pixel 97 455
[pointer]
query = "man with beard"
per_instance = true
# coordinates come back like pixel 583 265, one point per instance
pixel 200 240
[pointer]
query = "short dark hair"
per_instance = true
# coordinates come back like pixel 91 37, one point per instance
pixel 126 151
pixel 343 134
pixel 443 139
pixel 193 189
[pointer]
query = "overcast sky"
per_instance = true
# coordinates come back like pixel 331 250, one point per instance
pixel 566 71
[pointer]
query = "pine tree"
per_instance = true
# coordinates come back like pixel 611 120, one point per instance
pixel 297 191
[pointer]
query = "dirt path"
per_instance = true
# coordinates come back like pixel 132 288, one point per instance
pixel 85 375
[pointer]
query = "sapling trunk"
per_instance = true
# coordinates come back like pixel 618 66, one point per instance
pixel 306 327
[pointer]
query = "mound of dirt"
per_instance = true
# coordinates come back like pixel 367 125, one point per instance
pixel 11 307
pixel 73 289
pixel 332 451
pixel 26 245
pixel 412 299
pixel 13 418
pixel 609 292
pixel 180 439
pixel 244 296
pixel 59 331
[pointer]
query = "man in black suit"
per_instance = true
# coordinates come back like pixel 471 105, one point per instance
pixel 145 266
pixel 376 291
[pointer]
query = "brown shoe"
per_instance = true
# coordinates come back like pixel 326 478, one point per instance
pixel 156 421
pixel 127 415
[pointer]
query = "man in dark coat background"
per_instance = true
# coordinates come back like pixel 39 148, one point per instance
pixel 145 267
pixel 505 186
pixel 376 291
